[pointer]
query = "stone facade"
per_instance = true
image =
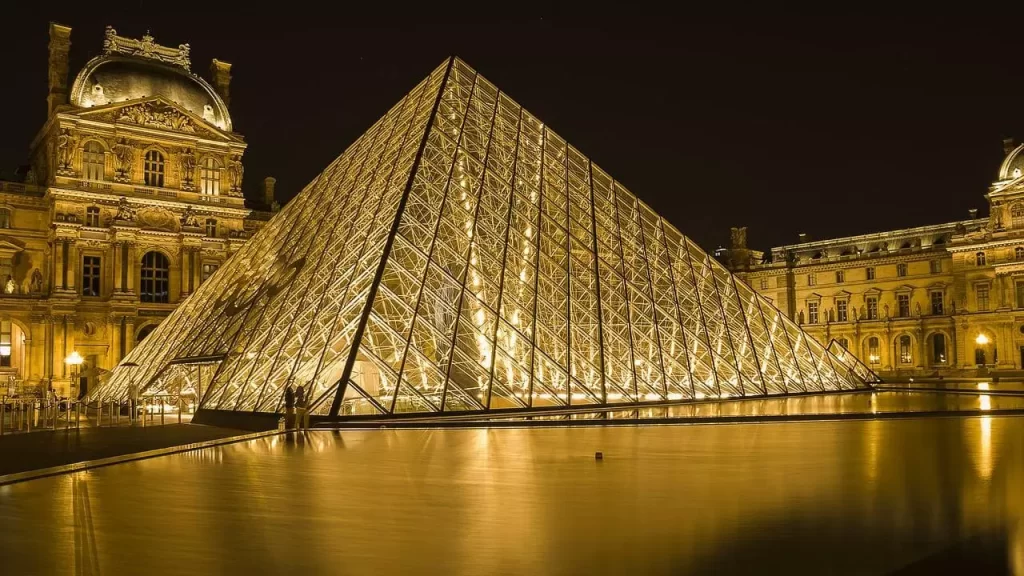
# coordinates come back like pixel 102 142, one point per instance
pixel 942 300
pixel 132 200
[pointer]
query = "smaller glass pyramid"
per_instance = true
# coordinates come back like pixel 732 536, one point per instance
pixel 460 256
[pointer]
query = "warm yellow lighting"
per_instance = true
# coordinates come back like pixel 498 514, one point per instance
pixel 74 359
pixel 986 402
pixel 5 350
pixel 981 340
pixel 982 385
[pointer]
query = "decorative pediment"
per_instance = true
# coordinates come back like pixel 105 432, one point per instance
pixel 814 296
pixel 9 246
pixel 842 295
pixel 872 292
pixel 155 113
pixel 904 289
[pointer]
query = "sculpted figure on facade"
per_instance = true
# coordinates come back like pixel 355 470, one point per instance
pixel 36 284
pixel 66 143
pixel 189 218
pixel 149 114
pixel 124 156
pixel 236 170
pixel 125 212
pixel 187 162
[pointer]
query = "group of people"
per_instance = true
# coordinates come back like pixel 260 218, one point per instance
pixel 296 399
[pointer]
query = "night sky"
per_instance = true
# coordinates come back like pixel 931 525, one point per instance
pixel 785 124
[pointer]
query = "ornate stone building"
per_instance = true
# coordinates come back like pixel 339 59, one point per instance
pixel 133 199
pixel 946 299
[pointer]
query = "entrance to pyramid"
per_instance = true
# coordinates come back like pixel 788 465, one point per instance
pixel 178 388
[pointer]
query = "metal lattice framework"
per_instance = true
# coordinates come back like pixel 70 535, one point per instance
pixel 460 256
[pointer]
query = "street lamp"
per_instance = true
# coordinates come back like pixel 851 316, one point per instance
pixel 981 340
pixel 74 362
pixel 133 394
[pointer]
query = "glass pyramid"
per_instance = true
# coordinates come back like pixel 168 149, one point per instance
pixel 461 256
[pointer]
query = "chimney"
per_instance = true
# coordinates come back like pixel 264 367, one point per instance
pixel 268 191
pixel 974 213
pixel 60 45
pixel 1008 145
pixel 220 72
pixel 804 237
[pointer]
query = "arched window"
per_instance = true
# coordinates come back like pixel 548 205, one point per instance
pixel 143 332
pixel 210 177
pixel 5 218
pixel 211 228
pixel 939 348
pixel 92 216
pixel 843 342
pixel 1017 215
pixel 873 356
pixel 153 169
pixel 92 161
pixel 155 278
pixel 979 259
pixel 906 357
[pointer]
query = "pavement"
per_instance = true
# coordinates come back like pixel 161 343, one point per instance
pixel 39 450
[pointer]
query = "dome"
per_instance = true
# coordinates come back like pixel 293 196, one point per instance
pixel 1013 166
pixel 112 78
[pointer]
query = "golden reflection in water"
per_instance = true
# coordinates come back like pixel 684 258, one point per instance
pixel 671 499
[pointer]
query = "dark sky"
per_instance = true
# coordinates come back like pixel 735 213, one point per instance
pixel 830 125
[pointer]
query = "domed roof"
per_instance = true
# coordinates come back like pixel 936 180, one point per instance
pixel 115 78
pixel 1013 166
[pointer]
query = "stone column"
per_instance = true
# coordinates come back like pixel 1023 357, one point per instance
pixel 72 265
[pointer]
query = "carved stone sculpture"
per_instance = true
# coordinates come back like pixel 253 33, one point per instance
pixel 124 156
pixel 66 143
pixel 187 160
pixel 189 219
pixel 156 116
pixel 125 212
pixel 146 48
pixel 9 286
pixel 236 170
pixel 36 284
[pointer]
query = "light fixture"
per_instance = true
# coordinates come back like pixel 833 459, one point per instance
pixel 5 349
pixel 981 340
pixel 74 359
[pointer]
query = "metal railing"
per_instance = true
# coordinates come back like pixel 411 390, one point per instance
pixel 28 414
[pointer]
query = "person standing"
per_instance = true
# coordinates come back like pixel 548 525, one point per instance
pixel 289 407
pixel 301 401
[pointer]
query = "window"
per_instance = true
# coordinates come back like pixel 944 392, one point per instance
pixel 872 305
pixel 812 312
pixel 153 169
pixel 91 276
pixel 208 270
pixel 5 343
pixel 92 161
pixel 904 345
pixel 939 348
pixel 982 293
pixel 937 307
pixel 1020 294
pixel 92 216
pixel 1018 253
pixel 211 228
pixel 979 259
pixel 841 310
pixel 903 305
pixel 5 218
pixel 870 273
pixel 1017 215
pixel 764 283
pixel 210 177
pixel 811 280
pixel 901 269
pixel 873 356
pixel 155 276
pixel 844 343
pixel 840 276
pixel 935 266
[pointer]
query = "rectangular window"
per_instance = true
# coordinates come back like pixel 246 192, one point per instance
pixel 903 305
pixel 982 293
pixel 208 270
pixel 764 283
pixel 811 280
pixel 5 343
pixel 901 269
pixel 1020 294
pixel 937 307
pixel 812 312
pixel 936 266
pixel 841 310
pixel 91 276
pixel 870 273
pixel 92 217
pixel 872 306
pixel 840 277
